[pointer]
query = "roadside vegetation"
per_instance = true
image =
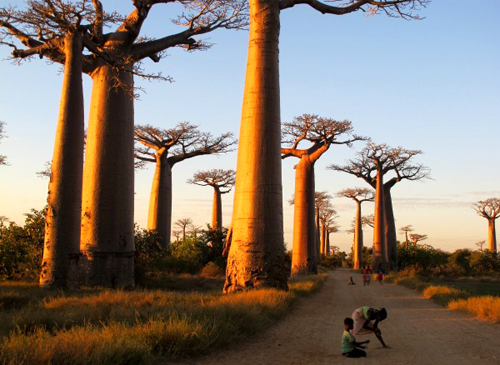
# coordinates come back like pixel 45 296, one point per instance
pixel 466 280
pixel 177 310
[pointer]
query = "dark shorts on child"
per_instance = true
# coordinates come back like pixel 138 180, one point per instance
pixel 355 353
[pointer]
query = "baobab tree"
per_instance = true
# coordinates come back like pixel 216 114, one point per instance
pixel 405 230
pixel 416 238
pixel 330 228
pixel 256 255
pixel 62 30
pixel 3 159
pixel 108 192
pixel 372 164
pixel 359 195
pixel 165 148
pixel 327 219
pixel 321 200
pixel 480 244
pixel 319 133
pixel 183 224
pixel 222 182
pixel 489 209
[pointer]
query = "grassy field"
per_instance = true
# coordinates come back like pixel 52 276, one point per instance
pixel 479 297
pixel 94 326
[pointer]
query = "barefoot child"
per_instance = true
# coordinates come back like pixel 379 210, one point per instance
pixel 351 348
pixel 363 318
pixel 351 281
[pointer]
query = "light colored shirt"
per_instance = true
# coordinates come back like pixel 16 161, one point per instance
pixel 347 342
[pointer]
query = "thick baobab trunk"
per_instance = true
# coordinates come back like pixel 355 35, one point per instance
pixel 62 222
pixel 107 242
pixel 390 230
pixel 358 239
pixel 492 238
pixel 327 233
pixel 217 210
pixel 317 237
pixel 160 201
pixel 304 235
pixel 379 252
pixel 323 240
pixel 256 256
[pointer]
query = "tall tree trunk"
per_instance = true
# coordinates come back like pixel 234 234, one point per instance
pixel 358 239
pixel 390 230
pixel 160 201
pixel 317 237
pixel 323 240
pixel 217 210
pixel 304 235
pixel 492 238
pixel 107 240
pixel 379 252
pixel 256 256
pixel 62 222
pixel 327 234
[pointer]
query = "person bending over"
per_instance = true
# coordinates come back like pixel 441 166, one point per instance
pixel 351 348
pixel 366 320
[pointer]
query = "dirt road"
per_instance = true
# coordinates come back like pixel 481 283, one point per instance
pixel 417 331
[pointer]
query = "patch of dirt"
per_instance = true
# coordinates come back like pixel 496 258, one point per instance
pixel 417 330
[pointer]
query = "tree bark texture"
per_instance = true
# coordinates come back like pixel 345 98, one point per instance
pixel 317 237
pixel 160 201
pixel 217 210
pixel 379 252
pixel 390 230
pixel 107 241
pixel 323 240
pixel 327 233
pixel 358 239
pixel 256 255
pixel 492 238
pixel 304 229
pixel 62 222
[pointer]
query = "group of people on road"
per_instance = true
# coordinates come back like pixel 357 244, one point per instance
pixel 364 320
pixel 367 271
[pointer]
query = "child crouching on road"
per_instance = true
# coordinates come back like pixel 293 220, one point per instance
pixel 351 348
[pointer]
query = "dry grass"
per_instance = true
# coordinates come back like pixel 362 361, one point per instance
pixel 117 327
pixel 487 307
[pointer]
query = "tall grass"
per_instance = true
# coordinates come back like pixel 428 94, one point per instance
pixel 117 327
pixel 486 307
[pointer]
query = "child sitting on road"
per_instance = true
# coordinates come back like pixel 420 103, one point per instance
pixel 351 348
pixel 351 281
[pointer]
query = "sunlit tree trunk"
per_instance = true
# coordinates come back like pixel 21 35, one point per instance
pixel 160 201
pixel 108 183
pixel 327 233
pixel 317 237
pixel 379 252
pixel 492 238
pixel 390 230
pixel 256 255
pixel 304 235
pixel 323 240
pixel 62 222
pixel 217 210
pixel 358 239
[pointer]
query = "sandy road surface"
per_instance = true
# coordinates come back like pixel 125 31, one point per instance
pixel 417 330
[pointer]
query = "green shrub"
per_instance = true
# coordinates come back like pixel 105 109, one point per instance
pixel 21 247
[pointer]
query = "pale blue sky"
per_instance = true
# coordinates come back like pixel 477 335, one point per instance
pixel 432 85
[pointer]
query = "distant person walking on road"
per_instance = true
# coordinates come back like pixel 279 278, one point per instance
pixel 351 348
pixel 363 318
pixel 367 275
pixel 380 274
